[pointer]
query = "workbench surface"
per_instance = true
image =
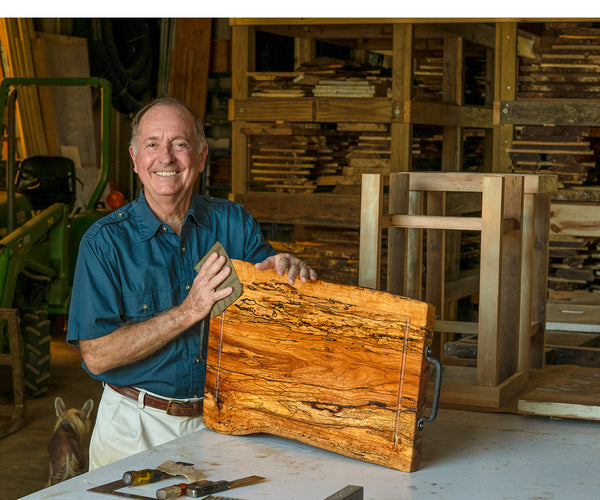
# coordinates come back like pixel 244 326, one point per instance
pixel 465 455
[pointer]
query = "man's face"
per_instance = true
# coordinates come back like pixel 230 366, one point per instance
pixel 165 156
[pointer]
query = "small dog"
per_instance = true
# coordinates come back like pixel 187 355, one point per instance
pixel 68 446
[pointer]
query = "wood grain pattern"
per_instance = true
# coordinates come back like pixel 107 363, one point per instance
pixel 335 366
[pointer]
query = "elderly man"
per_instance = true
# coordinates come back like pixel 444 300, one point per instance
pixel 139 311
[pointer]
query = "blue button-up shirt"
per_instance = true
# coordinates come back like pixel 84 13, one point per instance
pixel 131 267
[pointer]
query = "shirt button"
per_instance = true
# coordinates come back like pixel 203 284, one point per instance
pixel 120 214
pixel 197 360
pixel 182 249
pixel 144 307
pixel 188 286
pixel 165 228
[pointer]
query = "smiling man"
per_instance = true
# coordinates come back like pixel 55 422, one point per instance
pixel 139 311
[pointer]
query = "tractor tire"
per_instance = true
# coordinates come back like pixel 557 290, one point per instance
pixel 36 331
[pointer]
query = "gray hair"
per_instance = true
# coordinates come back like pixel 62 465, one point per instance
pixel 168 101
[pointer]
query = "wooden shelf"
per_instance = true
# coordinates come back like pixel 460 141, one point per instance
pixel 307 109
pixel 319 209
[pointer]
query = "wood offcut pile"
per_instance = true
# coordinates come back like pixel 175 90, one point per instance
pixel 566 66
pixel 292 157
pixel 323 77
pixel 368 151
pixel 567 152
pixel 574 265
pixel 428 78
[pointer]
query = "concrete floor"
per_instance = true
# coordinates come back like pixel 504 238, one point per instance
pixel 24 454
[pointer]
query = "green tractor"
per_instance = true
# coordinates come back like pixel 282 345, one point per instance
pixel 39 238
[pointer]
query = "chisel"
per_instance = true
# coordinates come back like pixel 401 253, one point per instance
pixel 203 488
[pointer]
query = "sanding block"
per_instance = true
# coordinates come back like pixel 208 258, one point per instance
pixel 232 280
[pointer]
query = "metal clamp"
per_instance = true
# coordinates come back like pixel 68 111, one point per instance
pixel 436 391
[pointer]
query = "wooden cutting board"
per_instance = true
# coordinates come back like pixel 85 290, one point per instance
pixel 335 366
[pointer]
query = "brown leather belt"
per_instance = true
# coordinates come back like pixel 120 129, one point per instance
pixel 170 406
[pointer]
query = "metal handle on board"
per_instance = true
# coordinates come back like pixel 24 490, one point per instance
pixel 436 391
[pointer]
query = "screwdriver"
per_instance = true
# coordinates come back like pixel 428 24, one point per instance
pixel 177 490
pixel 144 476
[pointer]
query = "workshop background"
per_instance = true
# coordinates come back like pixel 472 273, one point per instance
pixel 296 110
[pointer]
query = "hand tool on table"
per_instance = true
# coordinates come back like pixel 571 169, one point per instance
pixel 147 476
pixel 203 488
pixel 177 490
pixel 213 497
pixel 144 476
pixel 111 489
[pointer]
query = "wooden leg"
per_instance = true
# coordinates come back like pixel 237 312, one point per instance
pixel 370 231
pixel 397 236
pixel 490 274
pixel 15 360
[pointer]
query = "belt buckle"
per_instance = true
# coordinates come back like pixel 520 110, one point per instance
pixel 173 401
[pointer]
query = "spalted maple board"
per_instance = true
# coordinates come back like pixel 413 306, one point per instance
pixel 335 366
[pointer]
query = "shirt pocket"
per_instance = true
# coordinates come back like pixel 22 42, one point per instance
pixel 144 305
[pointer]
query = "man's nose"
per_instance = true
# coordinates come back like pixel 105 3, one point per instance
pixel 165 152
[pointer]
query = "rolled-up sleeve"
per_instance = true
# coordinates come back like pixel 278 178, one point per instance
pixel 96 307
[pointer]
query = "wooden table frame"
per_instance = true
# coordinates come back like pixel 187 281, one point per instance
pixel 511 284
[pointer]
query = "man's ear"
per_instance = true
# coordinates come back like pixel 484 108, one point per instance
pixel 203 156
pixel 131 153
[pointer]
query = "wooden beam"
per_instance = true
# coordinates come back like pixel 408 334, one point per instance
pixel 324 209
pixel 433 113
pixel 550 112
pixel 378 109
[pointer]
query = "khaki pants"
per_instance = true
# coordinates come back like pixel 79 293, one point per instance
pixel 123 428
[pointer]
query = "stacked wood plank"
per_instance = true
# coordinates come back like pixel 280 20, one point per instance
pixel 371 153
pixel 574 265
pixel 280 84
pixel 323 77
pixel 369 86
pixel 428 73
pixel 16 37
pixel 568 152
pixel 283 164
pixel 567 65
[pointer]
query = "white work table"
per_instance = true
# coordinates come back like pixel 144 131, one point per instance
pixel 465 455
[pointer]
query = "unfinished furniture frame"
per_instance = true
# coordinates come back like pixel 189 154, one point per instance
pixel 14 359
pixel 512 276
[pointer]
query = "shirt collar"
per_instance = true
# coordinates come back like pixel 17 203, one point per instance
pixel 148 224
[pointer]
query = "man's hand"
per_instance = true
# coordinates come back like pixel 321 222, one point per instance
pixel 204 294
pixel 286 262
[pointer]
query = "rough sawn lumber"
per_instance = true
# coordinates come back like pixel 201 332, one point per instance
pixel 335 366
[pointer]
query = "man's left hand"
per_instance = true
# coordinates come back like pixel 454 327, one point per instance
pixel 286 262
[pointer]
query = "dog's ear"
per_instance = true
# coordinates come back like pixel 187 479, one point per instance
pixel 86 409
pixel 59 406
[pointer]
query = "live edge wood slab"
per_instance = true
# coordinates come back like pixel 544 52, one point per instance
pixel 339 367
